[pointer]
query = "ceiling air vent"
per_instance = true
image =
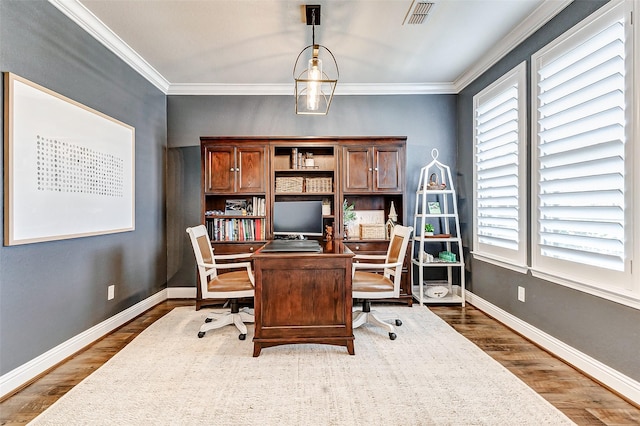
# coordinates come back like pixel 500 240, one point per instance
pixel 418 12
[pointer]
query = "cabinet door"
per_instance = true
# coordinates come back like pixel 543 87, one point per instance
pixel 387 169
pixel 219 169
pixel 357 169
pixel 251 169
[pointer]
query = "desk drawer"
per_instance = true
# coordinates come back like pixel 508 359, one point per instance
pixel 368 247
pixel 236 248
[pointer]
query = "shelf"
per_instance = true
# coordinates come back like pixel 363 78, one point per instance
pixel 438 239
pixel 277 194
pixel 451 298
pixel 435 215
pixel 224 216
pixel 443 212
pixel 304 170
pixel 435 264
pixel 435 191
pixel 216 242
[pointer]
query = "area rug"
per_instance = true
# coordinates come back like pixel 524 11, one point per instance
pixel 429 375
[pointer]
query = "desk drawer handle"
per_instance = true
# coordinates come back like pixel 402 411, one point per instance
pixel 357 247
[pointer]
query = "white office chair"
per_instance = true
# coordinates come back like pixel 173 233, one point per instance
pixel 214 285
pixel 383 284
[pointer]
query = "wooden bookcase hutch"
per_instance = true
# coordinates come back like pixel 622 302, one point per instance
pixel 367 171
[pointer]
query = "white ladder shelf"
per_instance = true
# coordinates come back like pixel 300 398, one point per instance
pixel 436 204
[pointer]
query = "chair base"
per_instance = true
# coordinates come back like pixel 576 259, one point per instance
pixel 236 316
pixel 366 315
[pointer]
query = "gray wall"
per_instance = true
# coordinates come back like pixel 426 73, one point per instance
pixel 428 121
pixel 607 331
pixel 52 291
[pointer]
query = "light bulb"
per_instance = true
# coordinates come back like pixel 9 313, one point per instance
pixel 314 72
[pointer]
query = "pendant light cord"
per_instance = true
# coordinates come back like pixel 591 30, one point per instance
pixel 313 27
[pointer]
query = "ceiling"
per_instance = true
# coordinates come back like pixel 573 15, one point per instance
pixel 250 46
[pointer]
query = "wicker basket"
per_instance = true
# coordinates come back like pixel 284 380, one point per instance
pixel 321 184
pixel 372 231
pixel 289 184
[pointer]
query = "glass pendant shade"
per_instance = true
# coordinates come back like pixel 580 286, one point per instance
pixel 314 75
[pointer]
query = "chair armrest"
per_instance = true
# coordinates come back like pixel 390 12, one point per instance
pixel 234 265
pixel 370 256
pixel 359 265
pixel 233 256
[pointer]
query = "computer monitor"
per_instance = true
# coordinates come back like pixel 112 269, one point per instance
pixel 297 218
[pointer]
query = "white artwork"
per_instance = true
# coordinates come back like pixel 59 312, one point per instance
pixel 69 170
pixel 365 217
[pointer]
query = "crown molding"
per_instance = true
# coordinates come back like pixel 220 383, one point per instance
pixel 96 28
pixel 543 14
pixel 395 88
pixel 219 89
pixel 342 89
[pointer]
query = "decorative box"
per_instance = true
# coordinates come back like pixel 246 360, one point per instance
pixel 319 184
pixel 289 184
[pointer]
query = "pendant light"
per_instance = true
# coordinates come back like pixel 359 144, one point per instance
pixel 314 88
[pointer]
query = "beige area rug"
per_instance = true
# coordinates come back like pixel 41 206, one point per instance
pixel 430 375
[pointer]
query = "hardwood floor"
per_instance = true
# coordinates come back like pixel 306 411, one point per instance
pixel 580 398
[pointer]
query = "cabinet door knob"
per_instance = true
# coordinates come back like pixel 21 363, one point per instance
pixel 357 247
pixel 232 169
pixel 250 248
pixel 376 169
pixel 370 169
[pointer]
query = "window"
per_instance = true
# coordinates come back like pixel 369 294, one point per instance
pixel 582 167
pixel 499 173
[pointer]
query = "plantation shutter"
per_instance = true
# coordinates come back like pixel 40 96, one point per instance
pixel 581 149
pixel 497 169
pixel 500 227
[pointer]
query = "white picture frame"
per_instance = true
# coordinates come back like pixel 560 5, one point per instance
pixel 69 170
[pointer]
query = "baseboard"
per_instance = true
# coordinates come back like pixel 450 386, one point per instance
pixel 618 382
pixel 181 293
pixel 19 376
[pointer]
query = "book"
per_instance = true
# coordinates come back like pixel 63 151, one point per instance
pixel 258 230
pixel 434 207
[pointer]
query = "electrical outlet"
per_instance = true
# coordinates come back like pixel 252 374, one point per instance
pixel 521 294
pixel 111 292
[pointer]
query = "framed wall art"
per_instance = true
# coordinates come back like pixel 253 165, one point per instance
pixel 68 169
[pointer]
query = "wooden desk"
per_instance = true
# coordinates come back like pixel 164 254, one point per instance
pixel 303 298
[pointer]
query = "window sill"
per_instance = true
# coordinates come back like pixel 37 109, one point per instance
pixel 497 261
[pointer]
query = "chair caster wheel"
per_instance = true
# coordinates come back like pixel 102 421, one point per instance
pixel 392 336
pixel 398 322
pixel 242 336
pixel 201 334
pixel 208 320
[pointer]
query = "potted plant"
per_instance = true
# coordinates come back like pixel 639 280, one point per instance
pixel 348 216
pixel 428 230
